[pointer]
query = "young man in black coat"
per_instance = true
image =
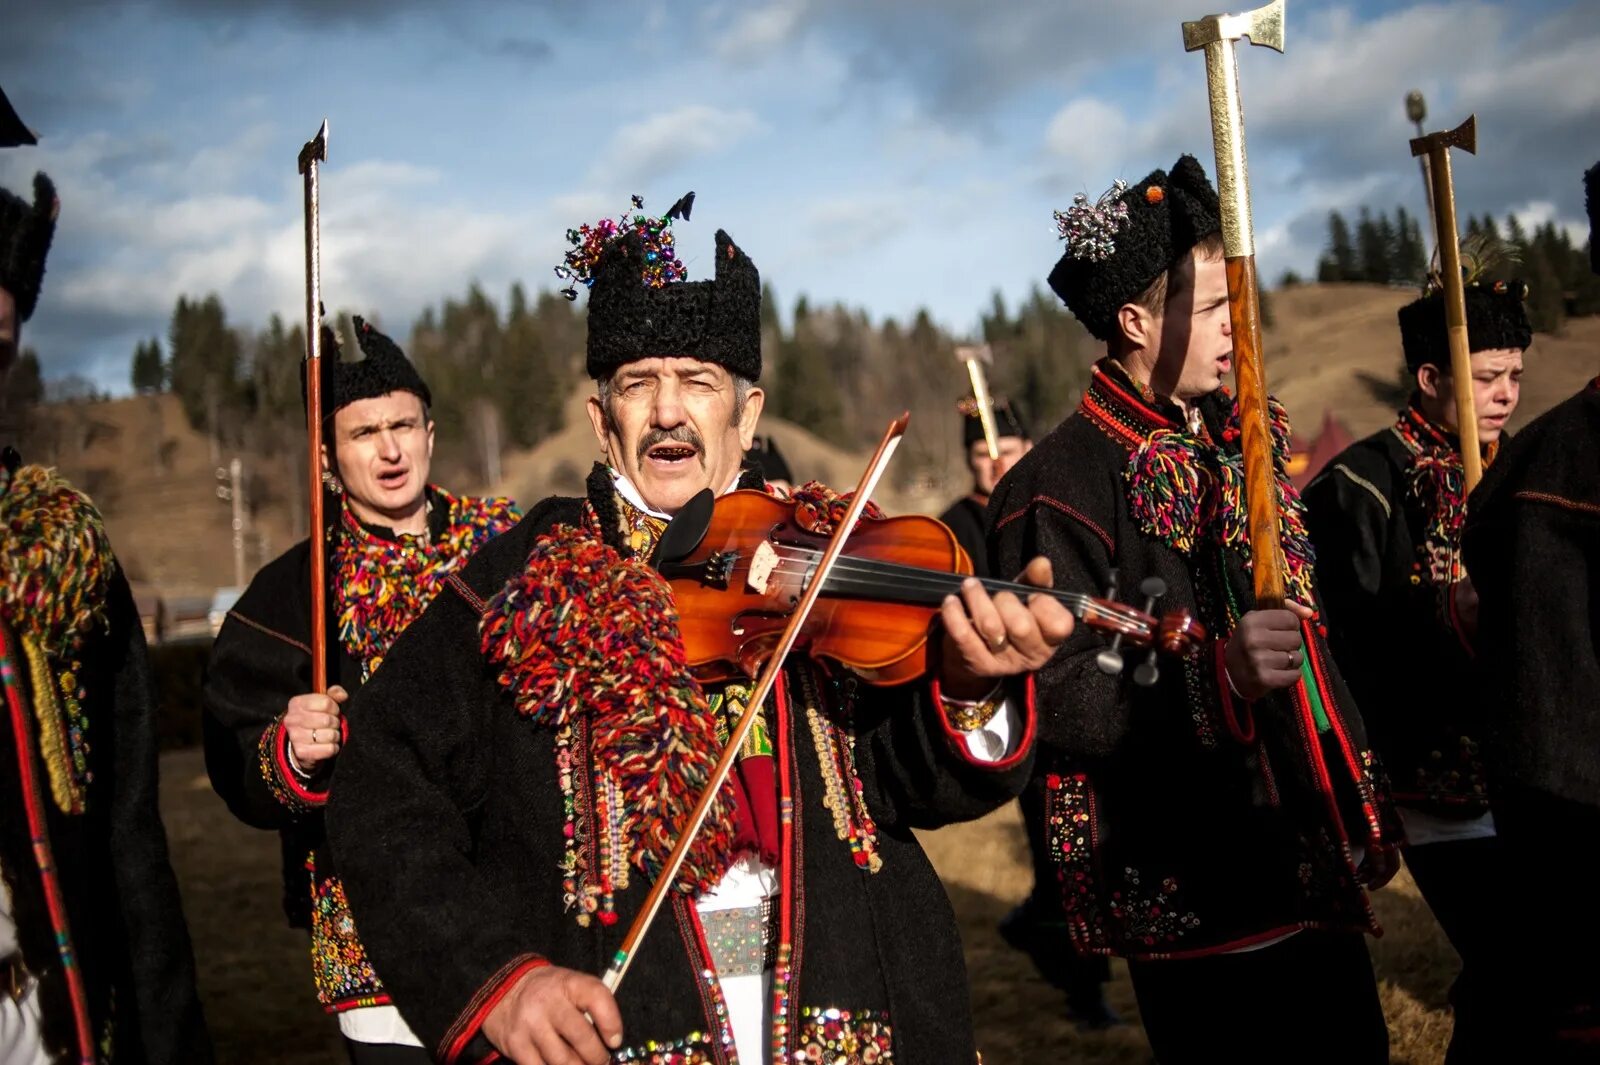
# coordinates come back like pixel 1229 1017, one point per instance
pixel 272 742
pixel 1386 517
pixel 1216 827
pixel 95 961
pixel 965 515
pixel 530 751
pixel 1532 545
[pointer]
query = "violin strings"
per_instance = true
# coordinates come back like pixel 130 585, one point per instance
pixel 911 577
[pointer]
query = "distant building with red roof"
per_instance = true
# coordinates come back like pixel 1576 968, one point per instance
pixel 1307 459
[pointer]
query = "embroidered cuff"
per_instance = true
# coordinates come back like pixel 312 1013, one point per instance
pixel 967 715
pixel 1237 714
pixel 1014 736
pixel 284 779
pixel 468 1024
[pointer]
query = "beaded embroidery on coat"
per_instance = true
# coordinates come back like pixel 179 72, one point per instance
pixel 56 567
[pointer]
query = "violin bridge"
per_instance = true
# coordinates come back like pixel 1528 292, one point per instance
pixel 762 563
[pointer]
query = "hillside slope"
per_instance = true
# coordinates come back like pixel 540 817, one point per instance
pixel 155 477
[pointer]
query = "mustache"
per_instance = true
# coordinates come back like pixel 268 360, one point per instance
pixel 682 434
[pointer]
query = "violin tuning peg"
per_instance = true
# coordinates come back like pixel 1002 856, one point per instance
pixel 1146 673
pixel 1109 661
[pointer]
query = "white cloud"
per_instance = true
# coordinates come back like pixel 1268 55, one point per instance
pixel 1087 132
pixel 668 140
pixel 757 33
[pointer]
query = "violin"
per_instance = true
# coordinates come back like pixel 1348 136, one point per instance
pixel 738 565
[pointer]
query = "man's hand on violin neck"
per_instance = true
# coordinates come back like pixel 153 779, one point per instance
pixel 986 638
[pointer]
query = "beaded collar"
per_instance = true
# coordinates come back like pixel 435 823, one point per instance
pixel 1436 483
pixel 1185 489
pixel 382 585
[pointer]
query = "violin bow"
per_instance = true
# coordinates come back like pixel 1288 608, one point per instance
pixel 758 696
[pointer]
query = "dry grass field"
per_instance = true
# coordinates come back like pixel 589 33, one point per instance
pixel 255 976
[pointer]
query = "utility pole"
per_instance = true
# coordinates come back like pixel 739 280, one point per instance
pixel 233 492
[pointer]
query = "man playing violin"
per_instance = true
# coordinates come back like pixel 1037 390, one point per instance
pixel 1209 825
pixel 548 740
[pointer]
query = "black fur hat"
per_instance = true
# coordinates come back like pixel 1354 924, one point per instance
pixel 1496 318
pixel 1116 248
pixel 1591 202
pixel 25 234
pixel 1007 420
pixel 718 320
pixel 385 369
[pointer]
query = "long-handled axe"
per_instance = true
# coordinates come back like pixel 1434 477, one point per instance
pixel 315 152
pixel 974 357
pixel 1436 146
pixel 1217 35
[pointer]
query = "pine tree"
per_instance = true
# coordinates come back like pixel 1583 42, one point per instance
pixel 146 370
pixel 1374 252
pixel 1411 258
pixel 1546 303
pixel 205 365
pixel 1339 264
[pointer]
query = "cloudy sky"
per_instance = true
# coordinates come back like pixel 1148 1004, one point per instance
pixel 891 154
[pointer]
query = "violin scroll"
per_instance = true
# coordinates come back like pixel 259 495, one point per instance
pixel 1175 633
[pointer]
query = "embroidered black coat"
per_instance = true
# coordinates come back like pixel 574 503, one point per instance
pixel 1532 546
pixel 124 921
pixel 448 824
pixel 1182 821
pixel 1387 562
pixel 261 659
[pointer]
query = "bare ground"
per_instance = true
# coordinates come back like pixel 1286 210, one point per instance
pixel 256 983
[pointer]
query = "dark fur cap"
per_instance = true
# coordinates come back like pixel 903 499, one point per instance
pixel 717 320
pixel 1117 248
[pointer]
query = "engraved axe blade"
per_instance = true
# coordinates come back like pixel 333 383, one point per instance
pixel 1464 136
pixel 316 149
pixel 1263 26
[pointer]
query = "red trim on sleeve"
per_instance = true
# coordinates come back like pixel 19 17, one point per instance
pixel 1056 504
pixel 1242 727
pixel 488 997
pixel 958 742
pixel 295 784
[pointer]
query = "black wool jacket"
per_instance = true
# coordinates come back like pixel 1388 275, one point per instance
pixel 1532 545
pixel 1388 558
pixel 449 818
pixel 132 975
pixel 1182 820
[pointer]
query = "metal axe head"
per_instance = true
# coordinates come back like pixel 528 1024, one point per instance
pixel 975 352
pixel 316 149
pixel 1263 26
pixel 1464 136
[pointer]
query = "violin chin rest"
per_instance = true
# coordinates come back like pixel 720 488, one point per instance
pixel 686 529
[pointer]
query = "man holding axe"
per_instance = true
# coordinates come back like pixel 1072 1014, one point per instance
pixel 1386 517
pixel 279 679
pixel 1216 826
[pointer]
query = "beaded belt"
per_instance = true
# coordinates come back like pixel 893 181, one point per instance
pixel 739 941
